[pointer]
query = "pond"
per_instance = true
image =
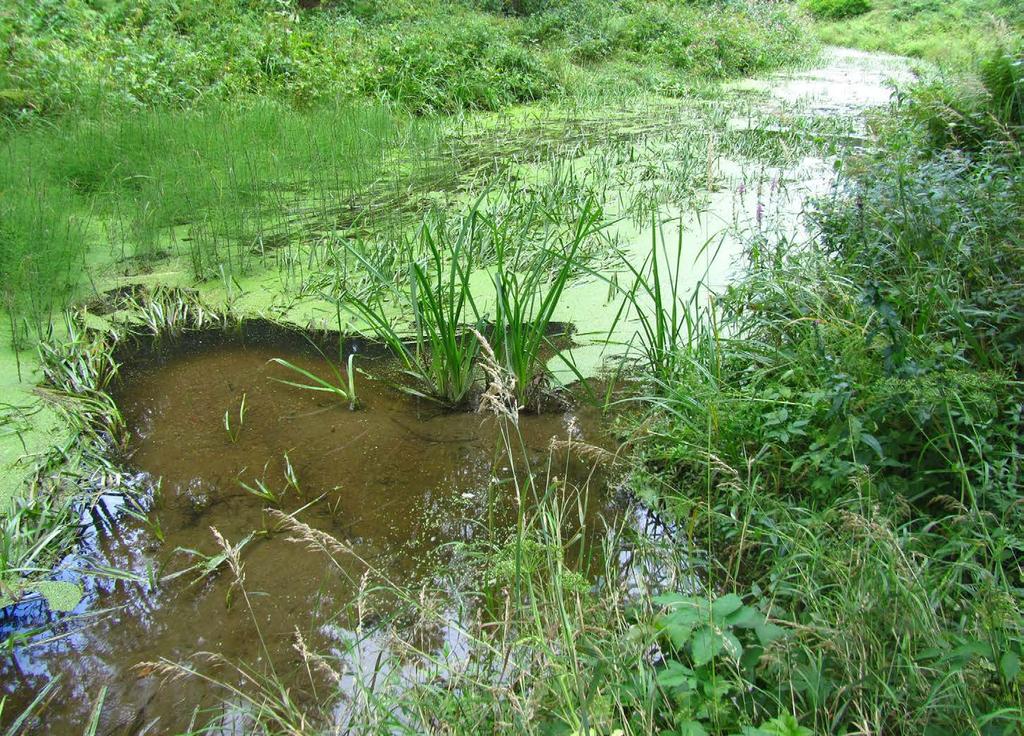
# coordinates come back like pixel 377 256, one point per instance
pixel 396 484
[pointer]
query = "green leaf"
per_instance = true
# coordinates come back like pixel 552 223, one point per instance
pixel 678 633
pixel 732 645
pixel 786 725
pixel 675 675
pixel 686 614
pixel 692 728
pixel 676 601
pixel 725 605
pixel 707 643
pixel 751 657
pixel 1009 665
pixel 971 649
pixel 873 443
pixel 747 617
pixel 768 632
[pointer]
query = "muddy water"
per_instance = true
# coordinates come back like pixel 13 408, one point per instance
pixel 398 481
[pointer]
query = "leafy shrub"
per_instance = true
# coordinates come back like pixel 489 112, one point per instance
pixel 717 41
pixel 972 119
pixel 440 68
pixel 852 448
pixel 431 56
pixel 837 9
pixel 1003 75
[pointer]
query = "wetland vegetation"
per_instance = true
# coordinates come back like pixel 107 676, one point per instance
pixel 527 366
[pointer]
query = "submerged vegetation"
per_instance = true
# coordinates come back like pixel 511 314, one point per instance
pixel 817 467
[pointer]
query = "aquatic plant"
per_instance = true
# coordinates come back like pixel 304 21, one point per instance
pixel 234 432
pixel 665 303
pixel 42 244
pixel 314 382
pixel 438 353
pixel 525 303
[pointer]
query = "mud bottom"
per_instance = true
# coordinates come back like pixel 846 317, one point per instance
pixel 376 499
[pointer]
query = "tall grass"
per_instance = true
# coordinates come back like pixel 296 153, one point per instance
pixel 525 303
pixel 422 55
pixel 221 188
pixel 665 303
pixel 42 248
pixel 843 442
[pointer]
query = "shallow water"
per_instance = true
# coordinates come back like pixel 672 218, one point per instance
pixel 397 481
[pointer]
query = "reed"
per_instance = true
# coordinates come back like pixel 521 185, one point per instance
pixel 525 303
pixel 439 351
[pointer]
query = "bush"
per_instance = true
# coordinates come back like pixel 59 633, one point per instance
pixel 851 449
pixel 1003 75
pixel 973 120
pixel 441 68
pixel 721 41
pixel 837 9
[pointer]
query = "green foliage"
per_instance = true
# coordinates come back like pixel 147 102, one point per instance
pixel 43 241
pixel 952 33
pixel 427 55
pixel 219 186
pixel 836 9
pixel 525 302
pixel 1003 75
pixel 438 67
pixel 974 119
pixel 705 40
pixel 848 440
pixel 702 637
pixel 439 352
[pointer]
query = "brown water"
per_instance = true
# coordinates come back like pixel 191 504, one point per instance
pixel 398 481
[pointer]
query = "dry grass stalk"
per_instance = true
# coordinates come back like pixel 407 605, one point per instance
pixel 500 396
pixel 314 660
pixel 314 539
pixel 584 450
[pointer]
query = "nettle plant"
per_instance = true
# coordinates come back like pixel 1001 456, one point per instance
pixel 711 649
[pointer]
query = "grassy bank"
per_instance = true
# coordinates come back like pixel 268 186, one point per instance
pixel 847 444
pixel 423 54
pixel 955 34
